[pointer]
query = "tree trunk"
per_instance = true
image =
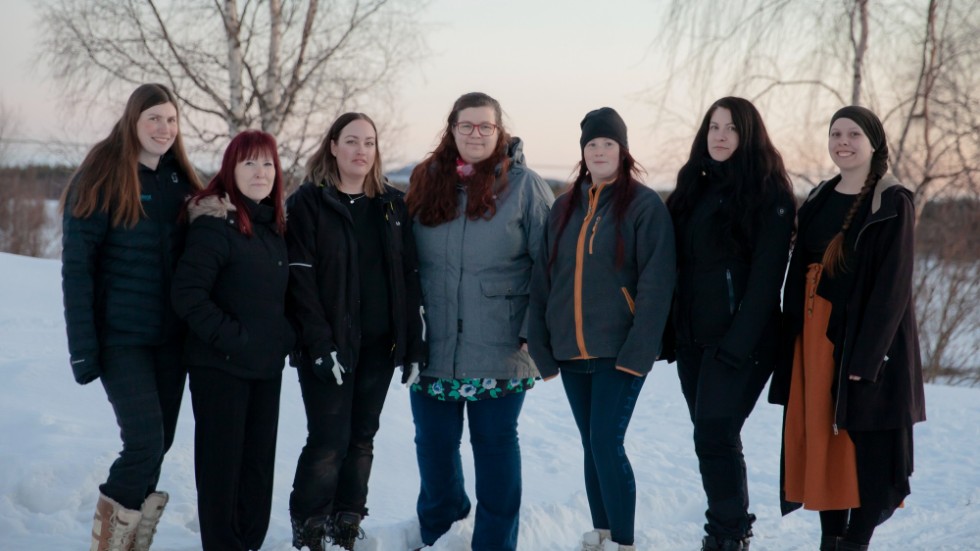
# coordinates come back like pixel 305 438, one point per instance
pixel 236 95
pixel 270 106
pixel 860 48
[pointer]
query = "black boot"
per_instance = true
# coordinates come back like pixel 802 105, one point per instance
pixel 310 533
pixel 346 529
pixel 828 543
pixel 844 545
pixel 714 543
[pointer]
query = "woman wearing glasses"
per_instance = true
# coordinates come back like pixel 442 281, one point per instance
pixel 479 215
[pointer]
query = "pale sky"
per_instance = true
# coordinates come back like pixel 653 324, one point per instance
pixel 549 62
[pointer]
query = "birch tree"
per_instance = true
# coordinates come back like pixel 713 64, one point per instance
pixel 285 67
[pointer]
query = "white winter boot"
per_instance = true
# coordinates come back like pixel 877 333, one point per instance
pixel 114 526
pixel 610 545
pixel 592 540
pixel 152 510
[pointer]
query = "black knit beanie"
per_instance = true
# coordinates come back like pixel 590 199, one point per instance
pixel 873 129
pixel 604 122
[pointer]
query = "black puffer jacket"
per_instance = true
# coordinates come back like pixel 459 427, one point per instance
pixel 324 286
pixel 116 280
pixel 726 298
pixel 231 290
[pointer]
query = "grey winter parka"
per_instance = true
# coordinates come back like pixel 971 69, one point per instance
pixel 475 280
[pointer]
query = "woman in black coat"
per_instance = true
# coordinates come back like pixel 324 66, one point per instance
pixel 733 218
pixel 850 334
pixel 355 295
pixel 230 287
pixel 121 239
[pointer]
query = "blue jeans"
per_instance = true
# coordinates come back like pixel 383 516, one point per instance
pixel 497 458
pixel 602 403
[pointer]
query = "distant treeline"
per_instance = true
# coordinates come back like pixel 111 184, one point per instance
pixel 944 224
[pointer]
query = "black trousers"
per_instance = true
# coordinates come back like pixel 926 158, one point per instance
pixel 236 422
pixel 720 399
pixel 335 464
pixel 145 385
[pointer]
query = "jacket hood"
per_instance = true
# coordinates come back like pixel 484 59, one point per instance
pixel 212 205
pixel 515 150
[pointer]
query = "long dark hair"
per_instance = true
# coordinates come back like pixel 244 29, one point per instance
pixel 623 191
pixel 755 171
pixel 321 169
pixel 108 178
pixel 248 144
pixel 834 259
pixel 432 192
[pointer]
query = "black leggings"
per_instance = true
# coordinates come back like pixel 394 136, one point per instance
pixel 854 525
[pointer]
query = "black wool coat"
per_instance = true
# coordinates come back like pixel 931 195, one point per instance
pixel 116 279
pixel 872 326
pixel 324 285
pixel 727 300
pixel 231 290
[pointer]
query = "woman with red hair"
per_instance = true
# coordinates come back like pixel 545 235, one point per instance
pixel 480 215
pixel 230 288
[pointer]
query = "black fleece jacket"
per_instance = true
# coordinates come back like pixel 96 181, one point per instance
pixel 872 325
pixel 728 298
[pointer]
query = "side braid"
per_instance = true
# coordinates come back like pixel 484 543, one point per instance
pixel 833 257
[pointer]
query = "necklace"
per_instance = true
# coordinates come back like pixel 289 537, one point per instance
pixel 353 197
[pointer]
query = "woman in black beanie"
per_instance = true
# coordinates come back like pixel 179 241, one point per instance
pixel 851 376
pixel 600 296
pixel 733 217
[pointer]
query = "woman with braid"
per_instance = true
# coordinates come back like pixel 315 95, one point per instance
pixel 850 376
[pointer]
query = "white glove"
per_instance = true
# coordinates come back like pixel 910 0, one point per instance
pixel 337 369
pixel 413 374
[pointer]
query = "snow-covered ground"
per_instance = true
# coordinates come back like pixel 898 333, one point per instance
pixel 57 440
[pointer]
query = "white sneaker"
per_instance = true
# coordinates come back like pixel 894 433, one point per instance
pixel 610 545
pixel 592 540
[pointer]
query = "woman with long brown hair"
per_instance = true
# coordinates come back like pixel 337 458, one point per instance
pixel 851 375
pixel 479 217
pixel 121 241
pixel 354 294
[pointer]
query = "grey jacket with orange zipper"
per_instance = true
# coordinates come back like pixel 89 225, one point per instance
pixel 584 305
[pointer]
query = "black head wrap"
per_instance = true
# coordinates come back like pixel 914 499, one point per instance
pixel 873 129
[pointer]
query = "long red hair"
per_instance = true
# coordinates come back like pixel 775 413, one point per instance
pixel 432 190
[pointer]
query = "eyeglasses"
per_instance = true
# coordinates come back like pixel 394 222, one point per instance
pixel 466 128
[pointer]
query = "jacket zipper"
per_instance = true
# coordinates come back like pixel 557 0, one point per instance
pixel 579 269
pixel 870 224
pixel 595 228
pixel 731 292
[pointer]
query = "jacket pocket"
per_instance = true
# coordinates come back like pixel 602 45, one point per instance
pixel 629 300
pixel 504 304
